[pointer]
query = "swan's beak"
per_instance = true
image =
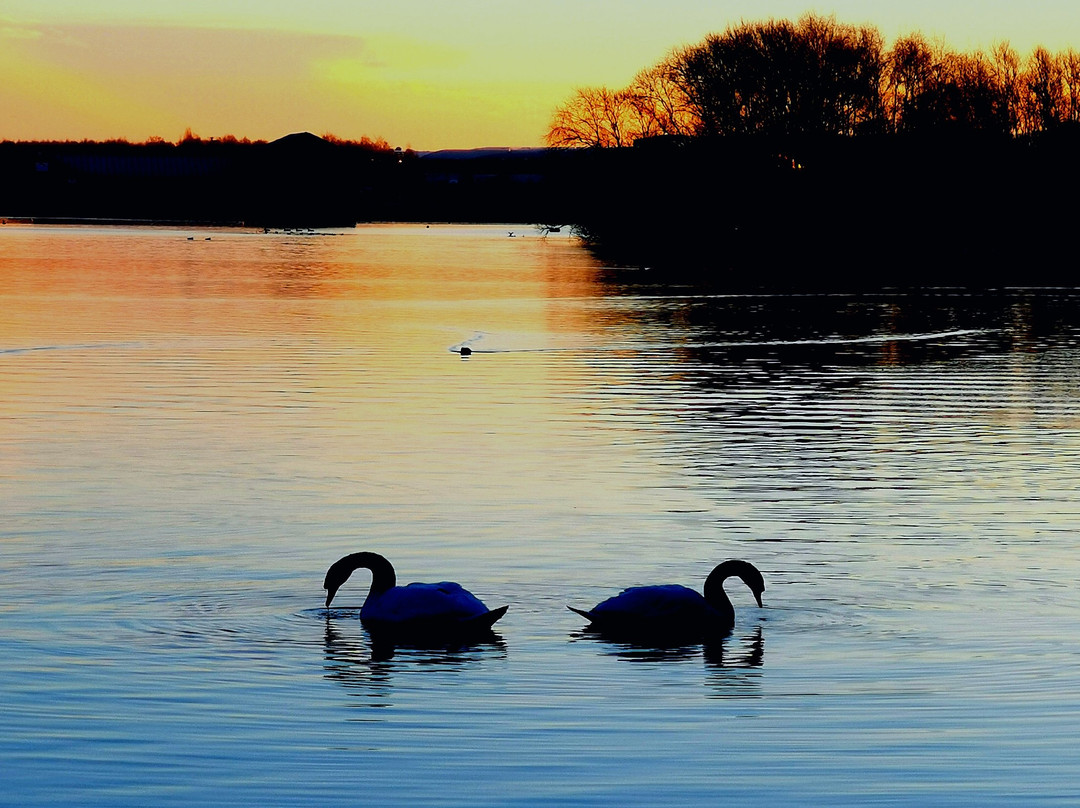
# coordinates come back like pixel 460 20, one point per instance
pixel 330 595
pixel 756 595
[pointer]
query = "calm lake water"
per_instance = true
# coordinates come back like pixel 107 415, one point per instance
pixel 195 424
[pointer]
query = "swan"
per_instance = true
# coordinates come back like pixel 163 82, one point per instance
pixel 674 610
pixel 417 608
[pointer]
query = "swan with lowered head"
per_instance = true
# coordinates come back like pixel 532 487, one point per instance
pixel 673 610
pixel 417 608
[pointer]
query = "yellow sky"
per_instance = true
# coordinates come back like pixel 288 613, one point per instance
pixel 422 73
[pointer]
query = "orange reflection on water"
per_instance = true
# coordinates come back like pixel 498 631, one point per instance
pixel 174 355
pixel 158 281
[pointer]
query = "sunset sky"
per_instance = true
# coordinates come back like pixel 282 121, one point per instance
pixel 422 73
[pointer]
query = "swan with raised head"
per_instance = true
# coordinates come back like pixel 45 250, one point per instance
pixel 672 610
pixel 444 607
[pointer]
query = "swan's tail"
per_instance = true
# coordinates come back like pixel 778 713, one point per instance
pixel 485 620
pixel 583 613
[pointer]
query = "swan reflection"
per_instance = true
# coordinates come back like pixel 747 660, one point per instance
pixel 365 662
pixel 346 660
pixel 734 668
pixel 733 661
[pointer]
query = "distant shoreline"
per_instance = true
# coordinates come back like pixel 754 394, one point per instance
pixel 85 221
pixel 797 212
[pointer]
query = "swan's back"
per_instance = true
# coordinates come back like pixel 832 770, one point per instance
pixel 668 613
pixel 667 602
pixel 443 601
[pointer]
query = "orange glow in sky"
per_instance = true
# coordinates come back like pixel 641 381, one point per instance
pixel 423 73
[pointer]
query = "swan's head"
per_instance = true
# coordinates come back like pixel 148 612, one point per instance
pixel 754 580
pixel 335 577
pixel 330 592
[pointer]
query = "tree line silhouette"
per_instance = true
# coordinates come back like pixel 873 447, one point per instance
pixel 299 180
pixel 808 154
pixel 817 76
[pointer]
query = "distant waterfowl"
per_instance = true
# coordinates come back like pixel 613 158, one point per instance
pixel 673 610
pixel 442 608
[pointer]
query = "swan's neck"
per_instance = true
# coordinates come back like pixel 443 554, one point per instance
pixel 714 584
pixel 714 592
pixel 382 571
pixel 382 574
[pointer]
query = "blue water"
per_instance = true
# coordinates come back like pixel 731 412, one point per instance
pixel 191 431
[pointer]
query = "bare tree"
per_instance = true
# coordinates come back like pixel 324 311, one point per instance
pixel 928 88
pixel 818 76
pixel 660 105
pixel 1043 99
pixel 1070 70
pixel 594 116
pixel 1006 66
pixel 909 72
pixel 779 77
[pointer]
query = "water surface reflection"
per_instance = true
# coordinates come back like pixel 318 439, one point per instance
pixel 749 649
pixel 365 664
pixel 190 429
